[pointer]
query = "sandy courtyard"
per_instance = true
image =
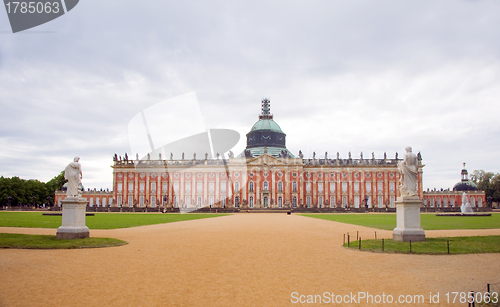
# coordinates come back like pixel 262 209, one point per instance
pixel 236 260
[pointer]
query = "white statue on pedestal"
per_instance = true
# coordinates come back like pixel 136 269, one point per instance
pixel 409 172
pixel 73 173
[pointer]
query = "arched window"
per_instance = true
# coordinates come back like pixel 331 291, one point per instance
pixel 479 202
pixel 250 186
pixel 280 186
pixel 472 202
pixel 294 186
pixel 294 202
pixel 320 201
pixel 308 201
pixel 236 186
pixel 452 202
pixel 280 202
pixel 266 185
pixel 266 201
pixel 250 202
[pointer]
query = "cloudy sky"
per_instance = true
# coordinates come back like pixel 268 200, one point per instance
pixel 342 76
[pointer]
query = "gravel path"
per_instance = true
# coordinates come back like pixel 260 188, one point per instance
pixel 236 260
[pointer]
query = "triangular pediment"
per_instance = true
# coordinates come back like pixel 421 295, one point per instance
pixel 265 159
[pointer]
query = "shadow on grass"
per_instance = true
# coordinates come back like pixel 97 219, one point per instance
pixel 22 241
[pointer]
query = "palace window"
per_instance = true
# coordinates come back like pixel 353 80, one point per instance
pixel 176 202
pixel 391 186
pixel 308 201
pixel 199 201
pixel 188 201
pixel 294 202
pixel 344 187
pixel 479 202
pixel 332 187
pixel 308 187
pixel 392 199
pixel 141 201
pixel 472 202
pixel 332 202
pixel 356 201
pixel 320 187
pixel 211 201
pixel 280 202
pixel 187 186
pixel 236 186
pixel 344 201
pixel 432 202
pixel 211 187
pixel 438 203
pixel 266 186
pixel 380 202
pixel 368 187
pixel 223 187
pixel 356 187
pixel 120 187
pixel 131 187
pixel 119 201
pixel 130 201
pixel 199 187
pixel 380 186
pixel 294 186
pixel 250 186
pixel 266 201
pixel 236 202
pixel 141 187
pixel 452 202
pixel 153 201
pixel 445 202
pixel 250 201
pixel 280 186
pixel 320 201
pixel 223 202
pixel 176 187
pixel 91 202
pixel 153 187
pixel 164 187
pixel 97 201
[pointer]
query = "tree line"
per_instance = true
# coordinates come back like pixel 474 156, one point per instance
pixel 21 192
pixel 488 182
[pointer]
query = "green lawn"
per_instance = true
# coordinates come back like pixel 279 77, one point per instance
pixel 98 221
pixel 11 240
pixel 434 246
pixel 428 221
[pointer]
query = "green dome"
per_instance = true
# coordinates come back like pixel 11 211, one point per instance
pixel 266 124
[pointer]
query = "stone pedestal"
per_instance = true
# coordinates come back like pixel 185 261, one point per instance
pixel 408 220
pixel 73 219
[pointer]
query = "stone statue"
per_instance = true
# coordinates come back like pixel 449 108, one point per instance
pixel 301 155
pixel 206 156
pixel 182 156
pixel 231 154
pixel 314 155
pixel 73 173
pixel 194 156
pixel 159 156
pixel 349 155
pixel 248 153
pixel 338 155
pixel 115 157
pixel 373 155
pixel 385 155
pixel 326 155
pixel 126 157
pixel 149 156
pixel 409 172
pixel 171 156
pixel 361 155
pixel 137 156
pixel 218 156
pixel 396 155
pixel 419 156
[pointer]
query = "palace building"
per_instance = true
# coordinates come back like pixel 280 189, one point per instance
pixel 265 176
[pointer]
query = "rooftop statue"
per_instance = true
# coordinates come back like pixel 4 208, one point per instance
pixel 409 172
pixel 73 173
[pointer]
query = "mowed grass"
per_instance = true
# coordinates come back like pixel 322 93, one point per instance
pixel 11 240
pixel 428 221
pixel 99 220
pixel 433 246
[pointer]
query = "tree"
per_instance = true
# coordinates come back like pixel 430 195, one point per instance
pixel 487 182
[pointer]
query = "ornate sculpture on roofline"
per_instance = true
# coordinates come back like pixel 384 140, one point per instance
pixel 409 172
pixel 73 173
